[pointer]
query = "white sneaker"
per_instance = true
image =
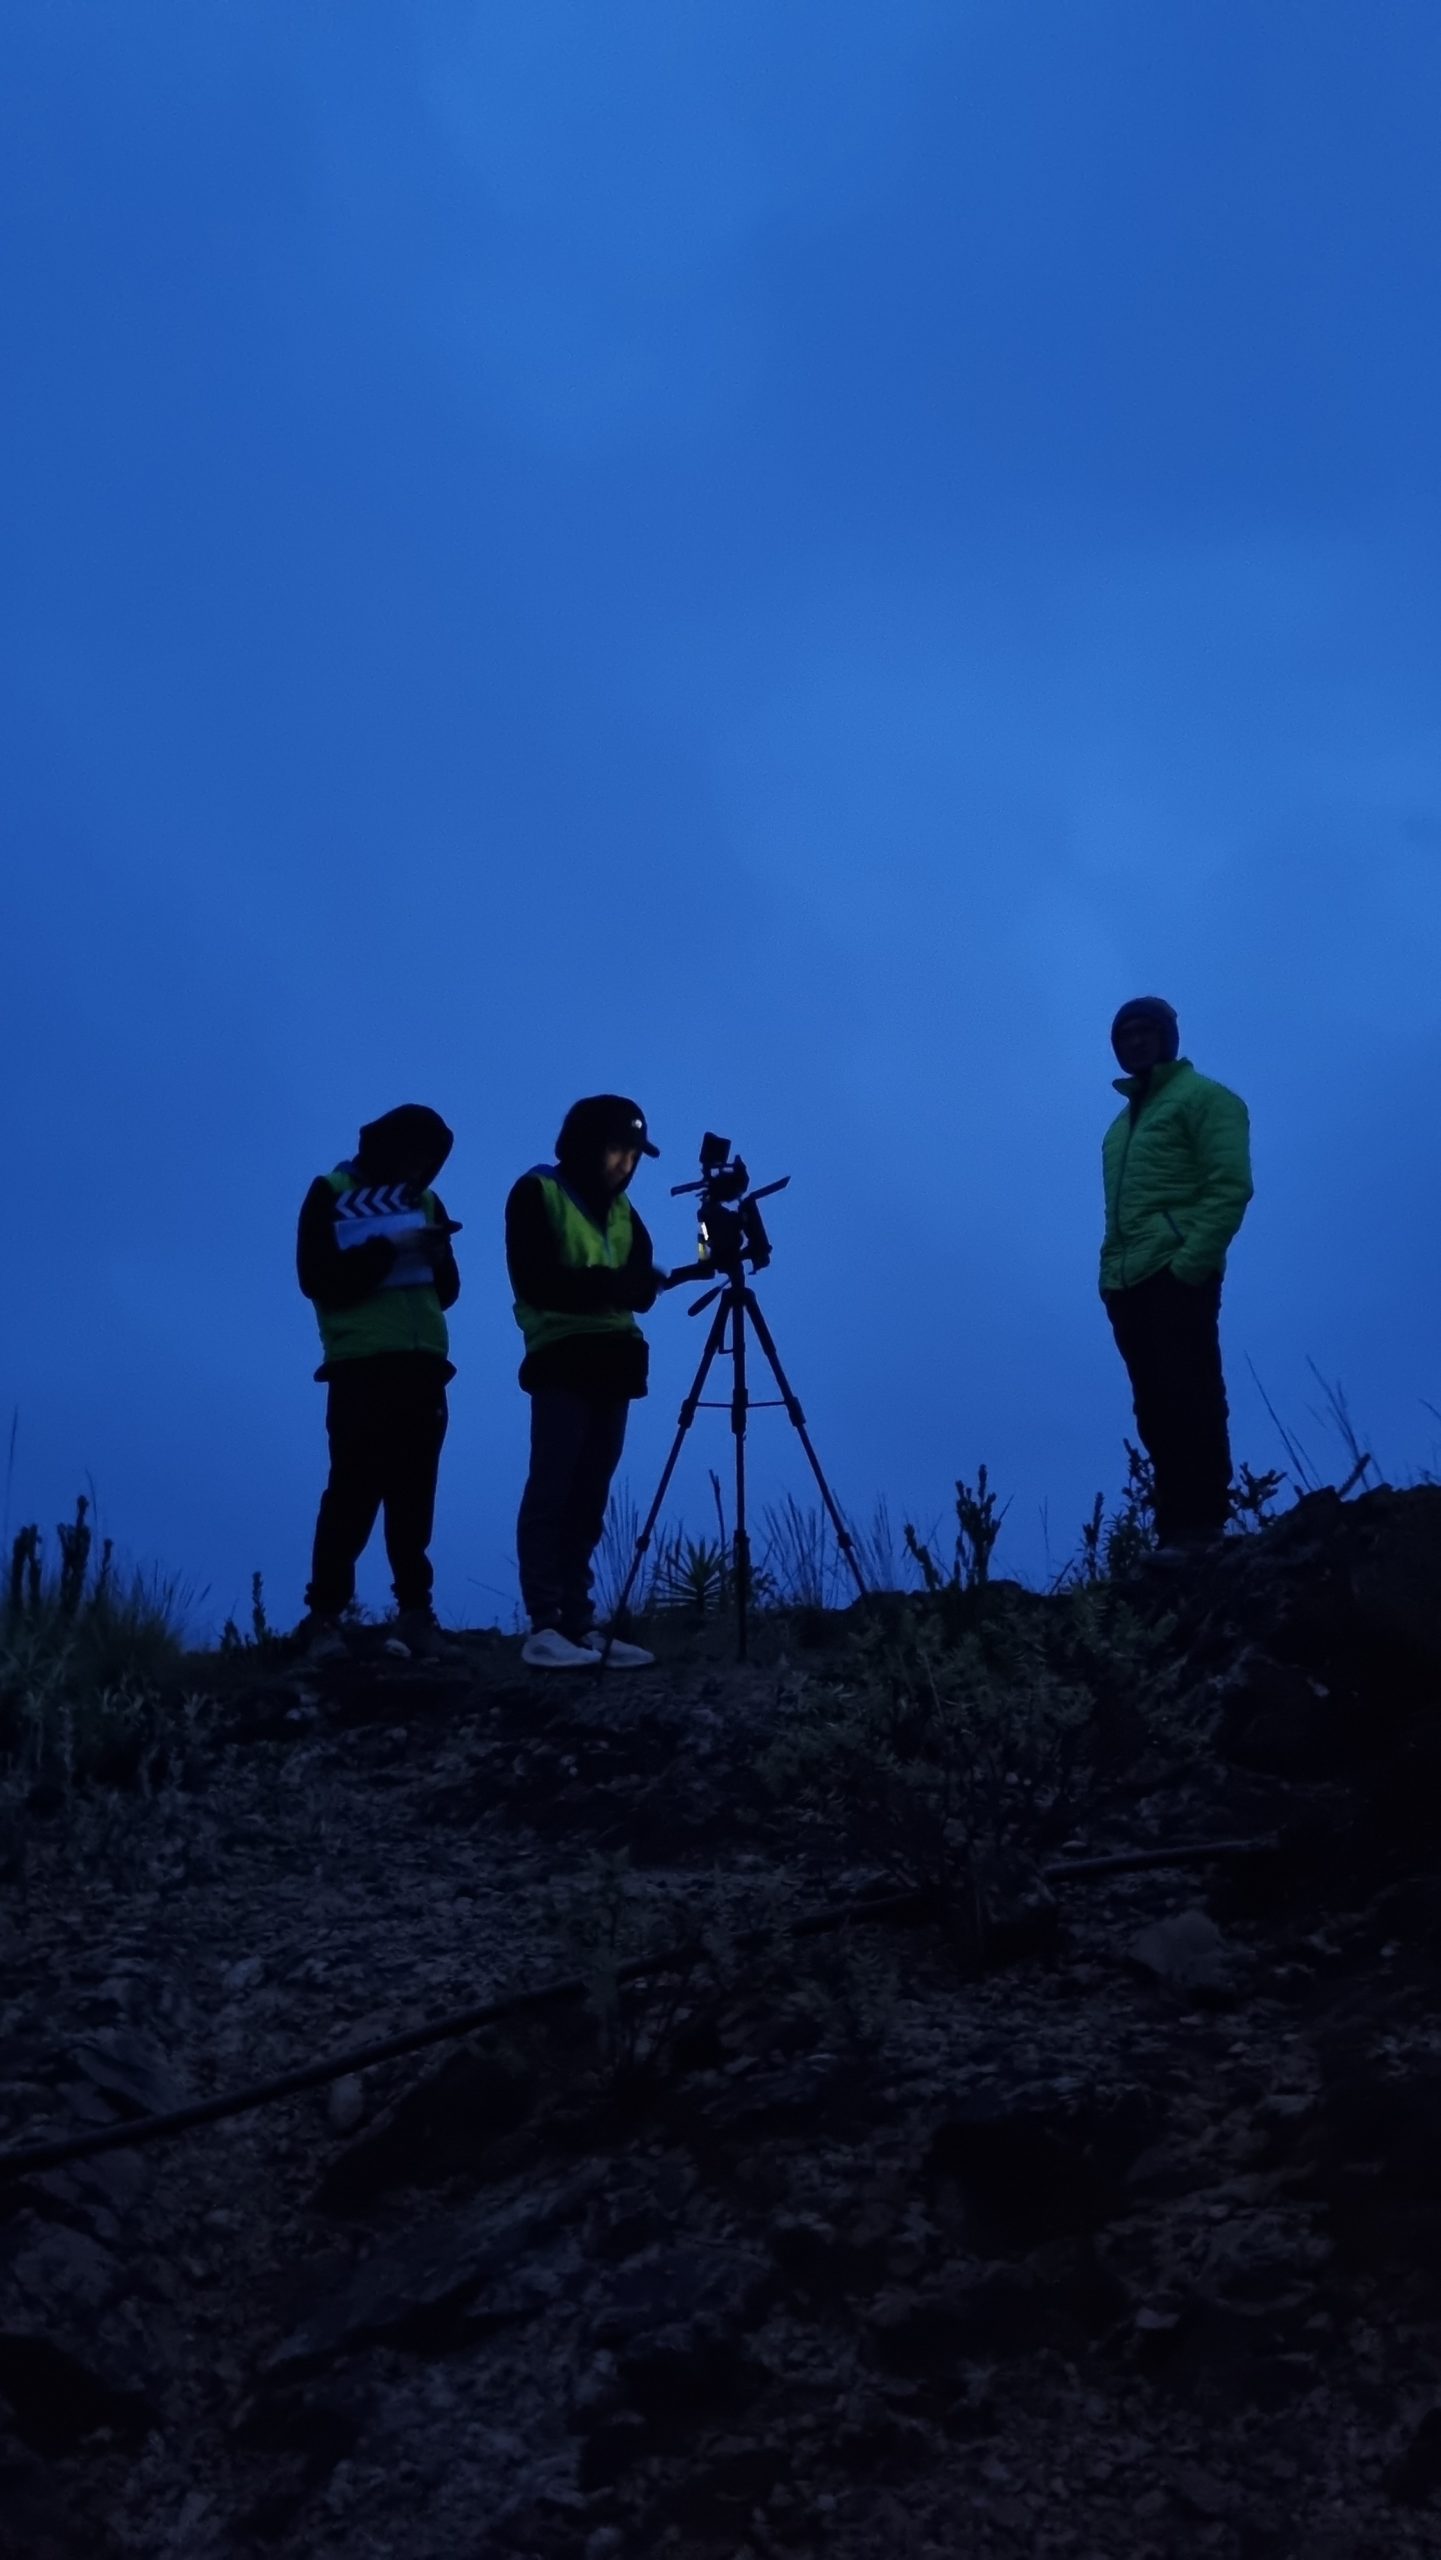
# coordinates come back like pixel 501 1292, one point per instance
pixel 548 1650
pixel 618 1656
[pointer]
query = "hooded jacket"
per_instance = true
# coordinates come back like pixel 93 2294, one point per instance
pixel 1177 1171
pixel 372 1299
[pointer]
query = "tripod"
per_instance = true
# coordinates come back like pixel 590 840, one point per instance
pixel 735 1304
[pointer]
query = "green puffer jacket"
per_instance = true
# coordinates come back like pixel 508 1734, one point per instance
pixel 1177 1175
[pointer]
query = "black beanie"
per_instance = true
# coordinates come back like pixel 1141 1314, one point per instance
pixel 1152 1009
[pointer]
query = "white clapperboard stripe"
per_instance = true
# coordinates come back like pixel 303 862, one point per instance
pixel 384 1209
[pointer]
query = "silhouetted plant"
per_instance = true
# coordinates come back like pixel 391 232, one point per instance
pixel 1090 1564
pixel 74 1537
pixel 262 1635
pixel 1114 1546
pixel 978 1526
pixel 691 1573
pixel 84 1657
pixel 801 1565
pixel 25 1571
pixel 882 1567
pixel 1253 1497
pixel 259 1623
pixel 1131 1532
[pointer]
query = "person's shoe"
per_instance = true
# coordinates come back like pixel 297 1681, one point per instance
pixel 417 1638
pixel 1183 1551
pixel 618 1655
pixel 322 1639
pixel 546 1649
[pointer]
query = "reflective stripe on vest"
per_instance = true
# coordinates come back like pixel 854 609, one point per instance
pixel 583 1245
pixel 404 1312
pixel 390 1210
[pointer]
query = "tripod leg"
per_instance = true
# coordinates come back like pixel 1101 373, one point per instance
pixel 766 1339
pixel 739 1408
pixel 714 1339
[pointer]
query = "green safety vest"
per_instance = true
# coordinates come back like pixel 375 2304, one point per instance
pixel 404 1313
pixel 584 1246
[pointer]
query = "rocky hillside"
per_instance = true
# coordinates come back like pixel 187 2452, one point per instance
pixel 1064 2208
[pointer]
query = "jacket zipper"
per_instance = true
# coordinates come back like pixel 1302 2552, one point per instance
pixel 1120 1186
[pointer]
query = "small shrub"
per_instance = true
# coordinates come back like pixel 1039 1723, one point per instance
pixel 933 1754
pixel 950 1761
pixel 1115 1546
pixel 676 1572
pixel 978 1526
pixel 25 1571
pixel 1253 1497
pixel 263 1638
pixel 884 1567
pixel 694 1574
pixel 87 1656
pixel 805 1567
pixel 801 1562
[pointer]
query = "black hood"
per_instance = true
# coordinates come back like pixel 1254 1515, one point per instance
pixel 410 1139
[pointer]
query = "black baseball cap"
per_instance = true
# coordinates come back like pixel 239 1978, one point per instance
pixel 604 1120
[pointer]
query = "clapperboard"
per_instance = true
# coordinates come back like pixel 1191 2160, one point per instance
pixel 385 1209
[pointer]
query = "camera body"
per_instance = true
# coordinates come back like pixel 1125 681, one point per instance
pixel 730 1231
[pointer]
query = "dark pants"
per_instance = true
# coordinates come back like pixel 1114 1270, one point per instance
pixel 1170 1339
pixel 575 1446
pixel 386 1424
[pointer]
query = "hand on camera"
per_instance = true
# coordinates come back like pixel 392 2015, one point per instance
pixel 636 1289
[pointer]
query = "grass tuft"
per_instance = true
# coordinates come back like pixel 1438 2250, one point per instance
pixel 88 1652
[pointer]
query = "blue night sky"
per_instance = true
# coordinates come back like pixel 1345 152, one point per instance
pixel 778 558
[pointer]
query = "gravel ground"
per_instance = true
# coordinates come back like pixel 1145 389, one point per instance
pixel 1125 2244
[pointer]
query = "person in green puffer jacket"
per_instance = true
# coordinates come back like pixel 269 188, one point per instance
pixel 1177 1170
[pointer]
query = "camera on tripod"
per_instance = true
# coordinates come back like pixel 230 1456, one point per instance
pixel 731 1233
pixel 730 1230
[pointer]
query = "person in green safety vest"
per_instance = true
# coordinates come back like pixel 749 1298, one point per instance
pixel 1177 1175
pixel 582 1269
pixel 374 1256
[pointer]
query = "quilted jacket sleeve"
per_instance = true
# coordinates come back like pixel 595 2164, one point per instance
pixel 1220 1135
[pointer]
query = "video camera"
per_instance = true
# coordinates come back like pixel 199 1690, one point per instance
pixel 730 1230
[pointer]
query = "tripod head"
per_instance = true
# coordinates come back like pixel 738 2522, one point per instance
pixel 730 1231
